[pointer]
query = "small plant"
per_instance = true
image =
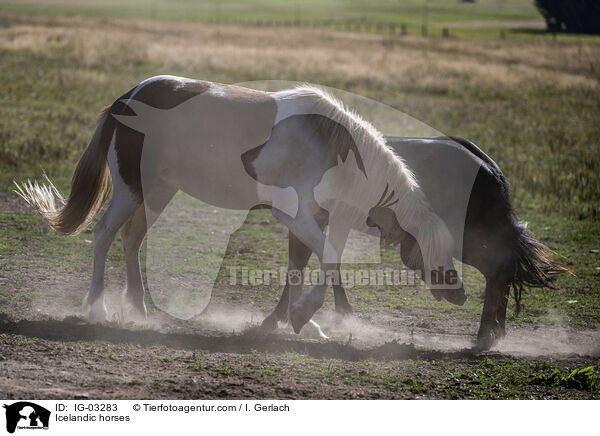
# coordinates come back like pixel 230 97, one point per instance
pixel 584 379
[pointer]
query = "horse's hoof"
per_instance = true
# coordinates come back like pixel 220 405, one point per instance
pixel 436 294
pixel 457 297
pixel 96 312
pixel 343 309
pixel 485 341
pixel 269 324
pixel 490 332
pixel 97 315
pixel 298 319
pixel 133 309
pixel 134 313
pixel 454 296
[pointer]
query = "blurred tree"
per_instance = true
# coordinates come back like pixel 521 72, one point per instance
pixel 573 16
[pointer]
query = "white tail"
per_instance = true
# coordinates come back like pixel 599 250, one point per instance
pixel 43 197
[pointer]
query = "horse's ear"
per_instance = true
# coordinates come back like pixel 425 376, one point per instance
pixel 380 202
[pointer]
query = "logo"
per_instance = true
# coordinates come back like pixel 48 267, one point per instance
pixel 26 415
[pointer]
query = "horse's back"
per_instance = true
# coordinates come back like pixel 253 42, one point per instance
pixel 446 172
pixel 191 134
pixel 486 223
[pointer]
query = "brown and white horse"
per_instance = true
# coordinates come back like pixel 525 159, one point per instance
pixel 298 151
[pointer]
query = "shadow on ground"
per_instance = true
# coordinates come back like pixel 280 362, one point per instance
pixel 246 342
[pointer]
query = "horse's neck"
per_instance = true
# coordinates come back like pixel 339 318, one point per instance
pixel 289 104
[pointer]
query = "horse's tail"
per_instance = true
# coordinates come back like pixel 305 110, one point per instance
pixel 90 187
pixel 529 263
pixel 532 266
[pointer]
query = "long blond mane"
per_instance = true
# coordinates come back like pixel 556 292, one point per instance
pixel 383 167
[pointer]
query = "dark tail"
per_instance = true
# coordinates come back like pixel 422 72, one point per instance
pixel 529 257
pixel 533 268
pixel 90 186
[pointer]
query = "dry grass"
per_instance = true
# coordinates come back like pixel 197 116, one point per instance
pixel 343 57
pixel 531 105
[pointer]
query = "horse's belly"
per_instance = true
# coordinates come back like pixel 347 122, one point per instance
pixel 216 178
pixel 197 146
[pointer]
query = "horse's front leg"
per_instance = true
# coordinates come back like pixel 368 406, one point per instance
pixel 298 256
pixel 309 302
pixel 338 235
pixel 305 227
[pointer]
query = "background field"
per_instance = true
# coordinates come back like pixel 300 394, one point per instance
pixel 531 103
pixel 438 12
pixel 483 18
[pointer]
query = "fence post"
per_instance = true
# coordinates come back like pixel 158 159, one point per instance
pixel 424 30
pixel 445 32
pixel 403 29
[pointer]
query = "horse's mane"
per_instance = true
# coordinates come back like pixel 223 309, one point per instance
pixel 378 158
pixel 383 168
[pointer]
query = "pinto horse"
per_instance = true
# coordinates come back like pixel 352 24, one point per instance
pixel 493 240
pixel 298 151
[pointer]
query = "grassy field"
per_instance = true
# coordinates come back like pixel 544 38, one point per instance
pixel 532 105
pixel 409 11
pixel 514 19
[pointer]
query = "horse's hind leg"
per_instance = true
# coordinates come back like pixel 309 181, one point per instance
pixel 492 326
pixel 132 235
pixel 121 208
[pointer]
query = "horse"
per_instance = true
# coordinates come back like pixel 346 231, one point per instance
pixel 298 151
pixel 493 240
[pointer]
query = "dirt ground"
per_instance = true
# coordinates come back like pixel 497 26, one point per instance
pixel 519 100
pixel 49 351
pixel 70 359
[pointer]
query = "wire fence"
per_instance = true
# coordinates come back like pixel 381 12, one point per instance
pixel 355 25
pixel 362 25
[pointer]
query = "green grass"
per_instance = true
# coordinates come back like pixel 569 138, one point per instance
pixel 481 19
pixel 542 133
pixel 409 11
pixel 482 378
pixel 533 108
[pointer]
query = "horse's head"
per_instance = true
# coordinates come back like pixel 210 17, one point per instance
pixel 385 219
